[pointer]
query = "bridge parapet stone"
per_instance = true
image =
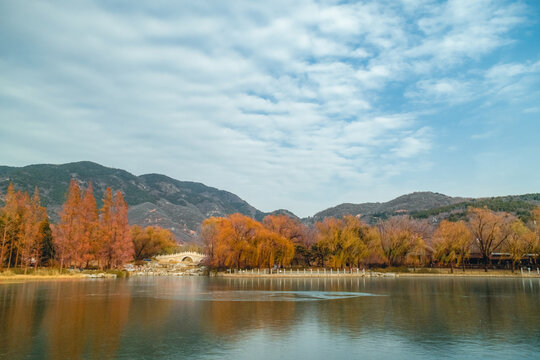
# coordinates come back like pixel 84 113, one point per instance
pixel 195 257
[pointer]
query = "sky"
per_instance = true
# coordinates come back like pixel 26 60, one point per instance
pixel 299 105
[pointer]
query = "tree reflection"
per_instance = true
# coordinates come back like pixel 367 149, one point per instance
pixel 62 319
pixel 19 314
pixel 79 323
pixel 180 317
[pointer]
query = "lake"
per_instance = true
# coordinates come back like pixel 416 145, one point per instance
pixel 279 318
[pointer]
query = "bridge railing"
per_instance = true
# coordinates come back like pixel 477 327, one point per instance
pixel 185 253
pixel 306 272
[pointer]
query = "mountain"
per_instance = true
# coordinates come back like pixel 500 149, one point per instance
pixel 153 199
pixel 404 204
pixel 519 205
pixel 182 206
pixel 433 205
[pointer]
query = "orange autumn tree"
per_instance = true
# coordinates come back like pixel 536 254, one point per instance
pixel 273 248
pixel 297 233
pixel 240 241
pixel 116 247
pixel 211 234
pixel 69 231
pixel 11 222
pixel 452 243
pixel 240 234
pixel 76 235
pixel 31 244
pixel 402 241
pixel 90 240
pixel 123 246
pixel 285 226
pixel 521 241
pixel 535 226
pixel 345 242
pixel 151 241
pixel 83 237
pixel 20 221
pixel 489 230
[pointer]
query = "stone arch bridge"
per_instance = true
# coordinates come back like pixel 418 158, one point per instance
pixel 183 257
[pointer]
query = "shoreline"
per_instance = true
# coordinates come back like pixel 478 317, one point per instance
pixel 12 278
pixel 404 275
pixel 22 277
pixel 376 274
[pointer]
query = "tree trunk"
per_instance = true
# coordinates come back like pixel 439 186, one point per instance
pixel 17 257
pixel 9 259
pixel 451 268
pixel 3 248
pixel 513 266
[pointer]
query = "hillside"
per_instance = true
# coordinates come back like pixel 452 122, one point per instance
pixel 519 205
pixel 153 199
pixel 423 205
pixel 404 204
pixel 182 206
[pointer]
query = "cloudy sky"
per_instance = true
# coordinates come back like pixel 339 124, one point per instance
pixel 288 104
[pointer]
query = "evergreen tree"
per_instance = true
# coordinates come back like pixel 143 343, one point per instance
pixel 48 252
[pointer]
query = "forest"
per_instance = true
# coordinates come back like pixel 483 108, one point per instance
pixel 237 241
pixel 87 237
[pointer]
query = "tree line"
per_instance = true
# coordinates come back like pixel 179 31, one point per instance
pixel 88 237
pixel 84 237
pixel 239 241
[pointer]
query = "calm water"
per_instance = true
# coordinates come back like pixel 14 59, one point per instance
pixel 209 318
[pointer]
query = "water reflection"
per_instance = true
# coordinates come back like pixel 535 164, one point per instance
pixel 246 318
pixel 63 319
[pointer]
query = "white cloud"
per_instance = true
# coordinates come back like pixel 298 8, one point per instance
pixel 504 82
pixel 285 97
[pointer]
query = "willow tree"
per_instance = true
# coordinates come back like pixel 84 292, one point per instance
pixel 345 242
pixel 301 236
pixel 151 241
pixel 273 249
pixel 489 230
pixel 216 249
pixel 402 241
pixel 231 241
pixel 452 243
pixel 520 241
pixel 241 236
pixel 239 241
pixel 536 229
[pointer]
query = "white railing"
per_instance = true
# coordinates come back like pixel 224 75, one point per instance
pixel 185 253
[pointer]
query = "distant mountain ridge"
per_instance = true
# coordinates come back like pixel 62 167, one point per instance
pixel 182 206
pixel 153 199
pixel 432 205
pixel 404 204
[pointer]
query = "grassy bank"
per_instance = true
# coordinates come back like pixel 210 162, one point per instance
pixel 39 274
pixel 53 274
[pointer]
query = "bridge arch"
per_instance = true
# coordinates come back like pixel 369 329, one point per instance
pixel 183 257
